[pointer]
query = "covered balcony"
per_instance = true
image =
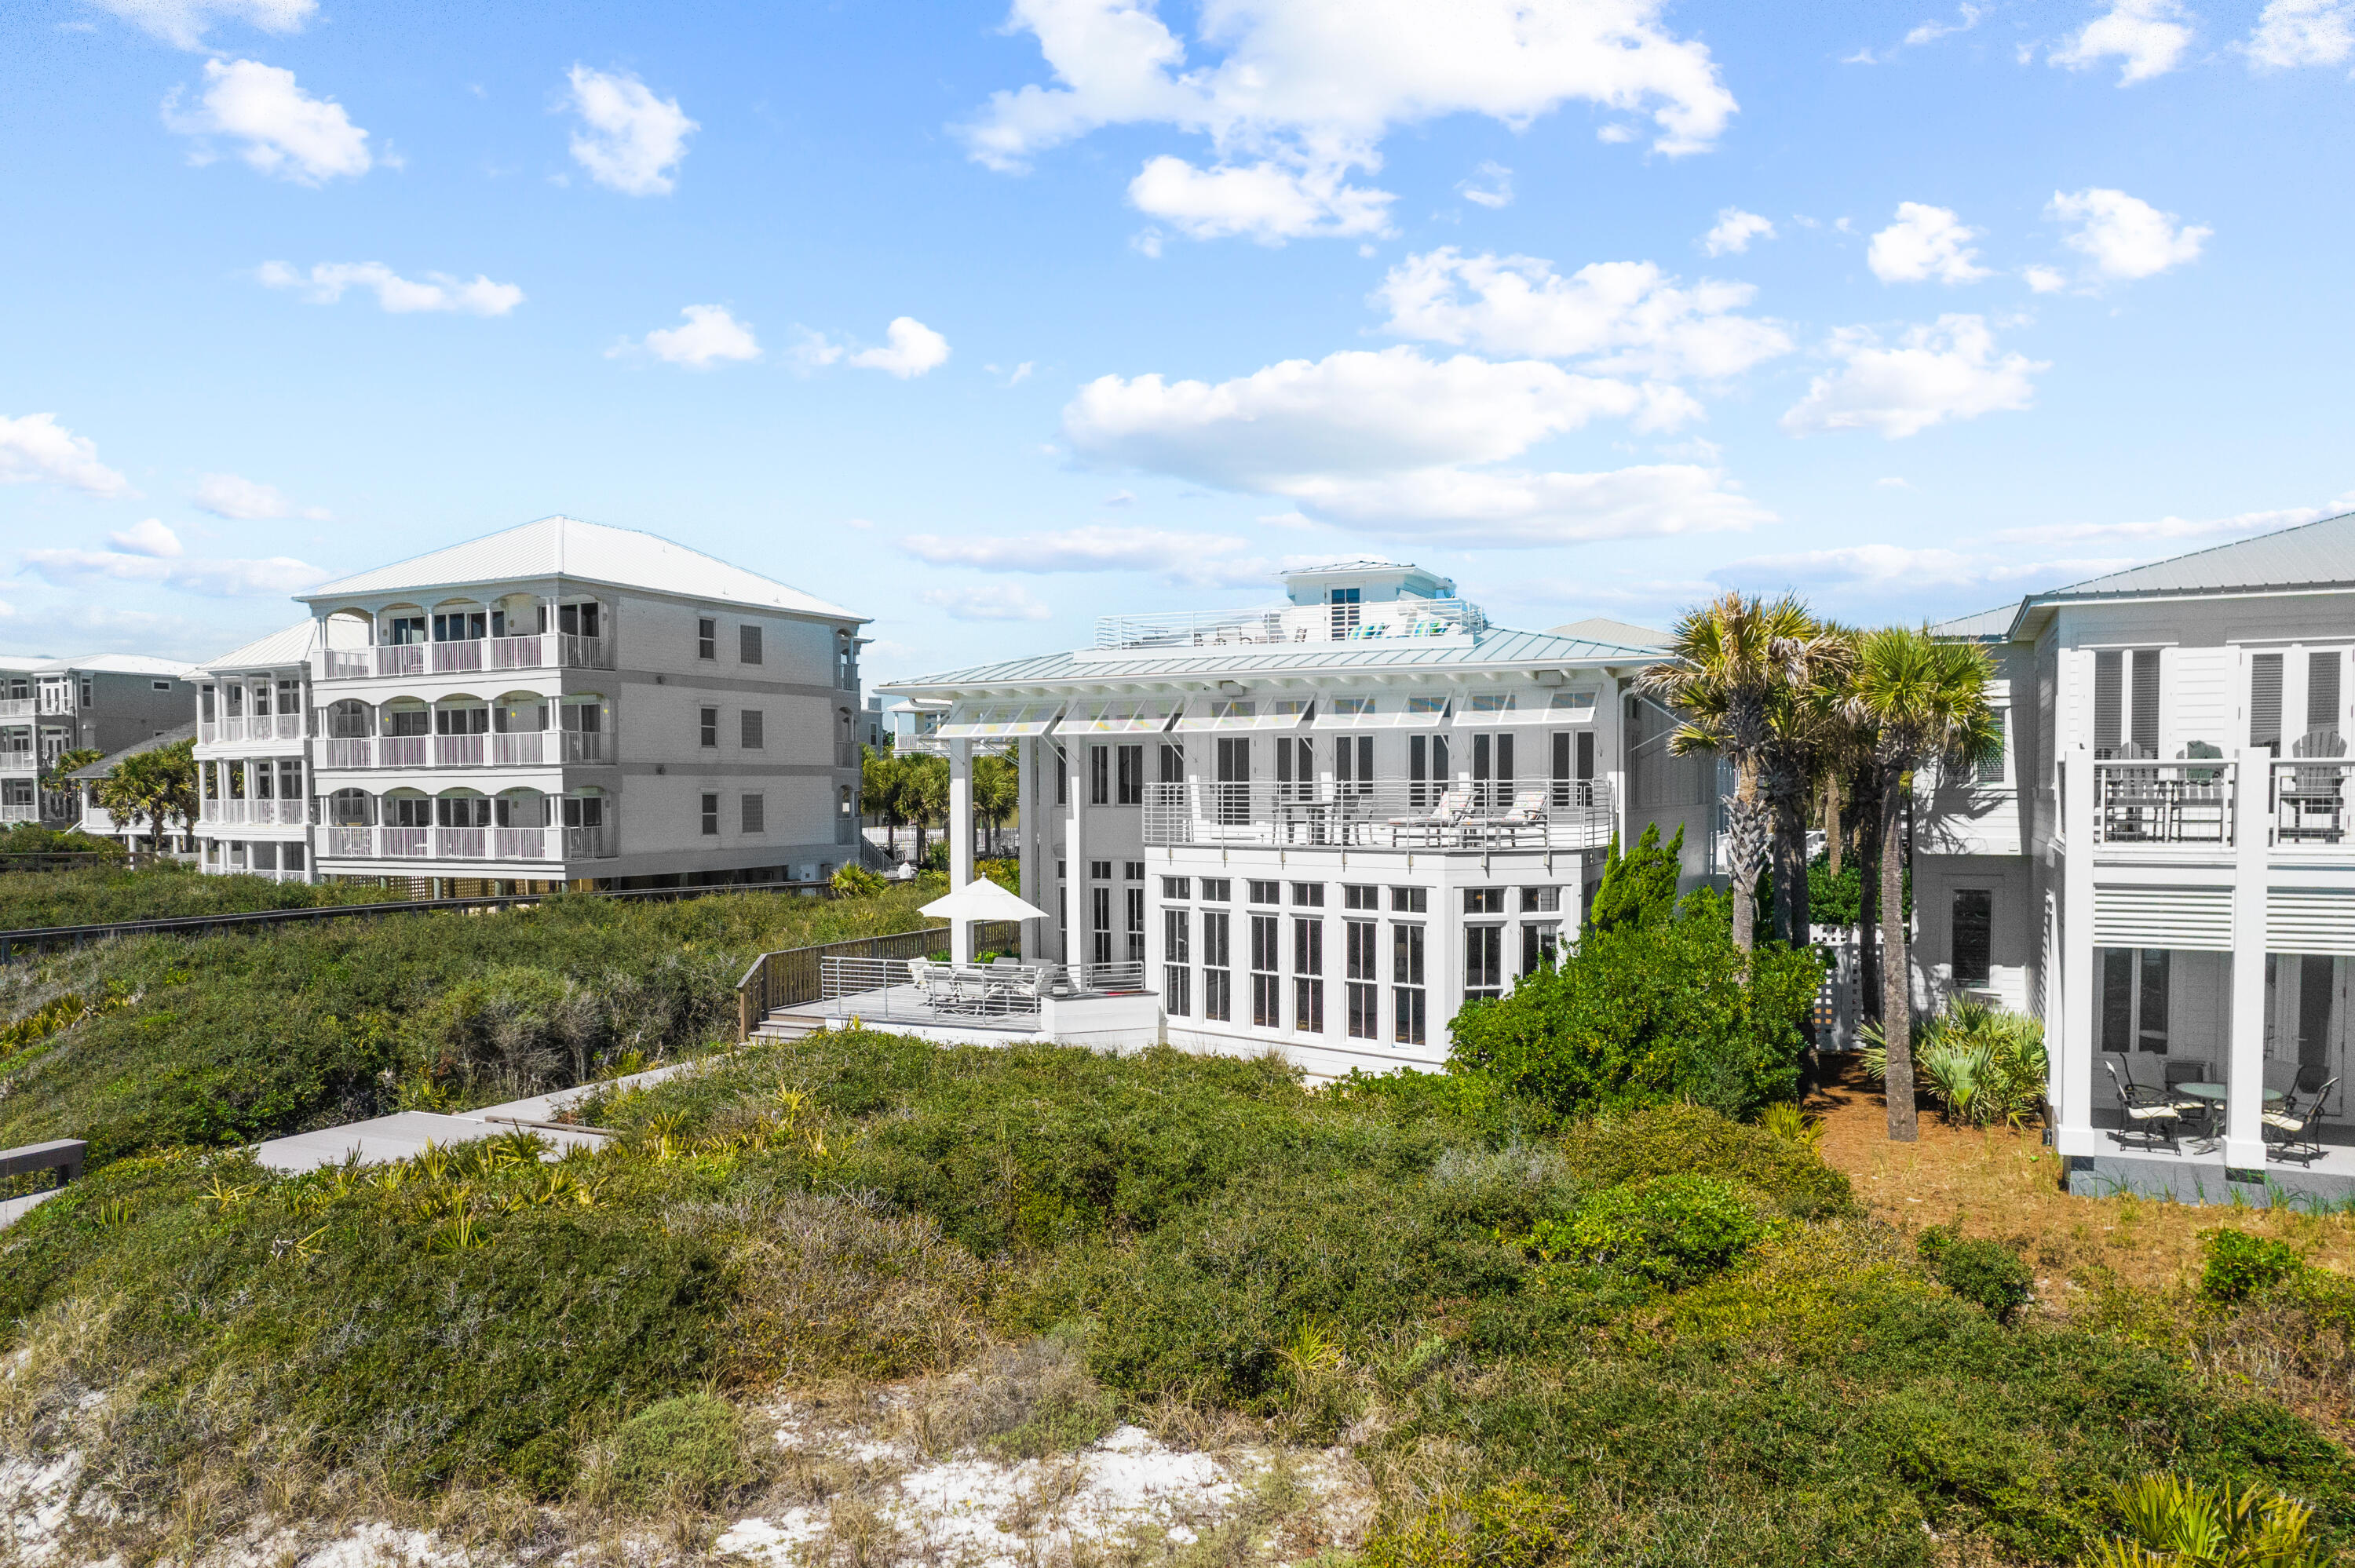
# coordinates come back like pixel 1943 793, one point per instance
pixel 519 729
pixel 2152 802
pixel 233 712
pixel 460 636
pixel 252 791
pixel 519 826
pixel 1476 817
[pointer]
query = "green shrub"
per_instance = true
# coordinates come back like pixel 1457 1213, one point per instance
pixel 1667 1140
pixel 1669 1231
pixel 1641 1014
pixel 688 1448
pixel 854 881
pixel 2171 1520
pixel 1987 1274
pixel 1516 1525
pixel 1979 1064
pixel 2239 1266
pixel 1640 888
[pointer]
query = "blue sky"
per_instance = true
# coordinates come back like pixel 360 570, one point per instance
pixel 987 323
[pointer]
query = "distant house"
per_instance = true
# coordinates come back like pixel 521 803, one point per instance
pixel 49 707
pixel 98 823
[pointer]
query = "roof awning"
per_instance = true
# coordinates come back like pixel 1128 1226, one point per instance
pixel 1497 710
pixel 1236 713
pixel 1388 710
pixel 997 720
pixel 1120 716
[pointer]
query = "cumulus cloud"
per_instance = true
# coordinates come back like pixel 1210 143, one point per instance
pixel 2293 33
pixel 1924 243
pixel 1947 370
pixel 324 283
pixel 709 335
pixel 1733 231
pixel 1907 571
pixel 1302 94
pixel 151 553
pixel 2148 36
pixel 1197 560
pixel 2173 532
pixel 287 133
pixel 2123 236
pixel 1626 317
pixel 1491 185
pixel 2045 280
pixel 910 348
pixel 184 23
pixel 986 602
pixel 34 449
pixel 245 501
pixel 1394 442
pixel 629 140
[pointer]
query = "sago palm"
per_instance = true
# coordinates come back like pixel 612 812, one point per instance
pixel 1927 703
pixel 1734 663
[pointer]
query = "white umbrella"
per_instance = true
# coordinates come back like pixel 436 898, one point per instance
pixel 981 899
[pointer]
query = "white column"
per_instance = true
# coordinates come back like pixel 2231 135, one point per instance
pixel 1030 845
pixel 1075 854
pixel 2080 1036
pixel 960 831
pixel 2244 1143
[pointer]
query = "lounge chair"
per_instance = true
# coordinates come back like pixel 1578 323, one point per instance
pixel 1448 813
pixel 1528 811
pixel 2290 1129
pixel 2148 1111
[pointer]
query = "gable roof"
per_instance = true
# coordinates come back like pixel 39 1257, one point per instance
pixel 105 765
pixel 1987 625
pixel 293 645
pixel 116 664
pixel 1602 628
pixel 2313 554
pixel 583 552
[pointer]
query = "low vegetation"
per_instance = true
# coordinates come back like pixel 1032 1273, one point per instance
pixel 1658 1336
pixel 161 1041
pixel 112 891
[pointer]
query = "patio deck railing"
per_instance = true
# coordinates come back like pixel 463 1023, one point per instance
pixel 1405 619
pixel 547 649
pixel 1004 993
pixel 2155 802
pixel 793 976
pixel 1532 814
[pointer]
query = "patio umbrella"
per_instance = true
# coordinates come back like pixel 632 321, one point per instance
pixel 981 899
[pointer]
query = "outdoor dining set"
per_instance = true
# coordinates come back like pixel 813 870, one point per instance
pixel 2185 1094
pixel 999 987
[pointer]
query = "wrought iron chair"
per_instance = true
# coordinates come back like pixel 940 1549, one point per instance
pixel 2149 1111
pixel 2290 1129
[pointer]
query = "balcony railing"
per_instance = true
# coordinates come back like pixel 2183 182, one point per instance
pixel 547 651
pixel 1408 620
pixel 2309 801
pixel 1387 815
pixel 512 748
pixel 233 813
pixel 2164 802
pixel 20 812
pixel 542 845
pixel 23 762
pixel 1004 993
pixel 256 726
pixel 16 708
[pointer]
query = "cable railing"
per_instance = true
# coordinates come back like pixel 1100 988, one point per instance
pixel 1462 817
pixel 1404 620
pixel 1003 992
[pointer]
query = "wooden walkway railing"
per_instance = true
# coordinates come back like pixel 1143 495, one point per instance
pixel 786 977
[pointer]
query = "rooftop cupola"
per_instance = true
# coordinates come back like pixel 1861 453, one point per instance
pixel 1364 582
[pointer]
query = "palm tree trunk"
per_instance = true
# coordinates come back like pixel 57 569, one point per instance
pixel 1897 972
pixel 1866 800
pixel 1745 845
pixel 1832 845
pixel 1791 868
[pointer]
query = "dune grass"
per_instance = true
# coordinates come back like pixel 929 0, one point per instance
pixel 109 891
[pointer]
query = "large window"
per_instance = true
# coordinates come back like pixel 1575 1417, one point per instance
pixel 1361 943
pixel 2125 703
pixel 1217 976
pixel 1100 922
pixel 1132 775
pixel 2134 999
pixel 1308 974
pixel 1407 984
pixel 1973 935
pixel 1266 984
pixel 1484 962
pixel 1177 955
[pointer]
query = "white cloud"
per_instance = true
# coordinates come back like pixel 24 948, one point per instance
pixel 1490 186
pixel 286 132
pixel 270 576
pixel 2175 532
pixel 1397 443
pixel 1947 370
pixel 1304 91
pixel 986 602
pixel 2292 33
pixel 152 537
pixel 2149 36
pixel 184 22
pixel 325 283
pixel 1965 19
pixel 247 501
pixel 709 335
pixel 1925 242
pixel 1733 231
pixel 1907 571
pixel 630 141
pixel 1197 560
pixel 910 348
pixel 36 449
pixel 1021 374
pixel 2123 236
pixel 1626 317
pixel 2045 280
pixel 1264 201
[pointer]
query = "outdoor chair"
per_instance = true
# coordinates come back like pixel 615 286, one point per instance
pixel 2290 1129
pixel 2148 1111
pixel 2314 799
pixel 2281 1077
pixel 1527 809
pixel 1446 812
pixel 2187 1071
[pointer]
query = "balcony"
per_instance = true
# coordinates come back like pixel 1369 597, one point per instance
pixel 540 845
pixel 20 812
pixel 16 708
pixel 232 813
pixel 1411 619
pixel 2189 803
pixel 547 651
pixel 1561 814
pixel 514 748
pixel 2308 800
pixel 258 726
pixel 24 763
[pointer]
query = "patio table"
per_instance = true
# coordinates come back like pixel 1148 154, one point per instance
pixel 2213 1097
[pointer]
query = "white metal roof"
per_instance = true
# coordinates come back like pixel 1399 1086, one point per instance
pixel 1602 628
pixel 117 664
pixel 582 552
pixel 293 645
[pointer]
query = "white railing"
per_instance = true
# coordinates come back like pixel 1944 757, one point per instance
pixel 265 811
pixel 2308 800
pixel 233 728
pixel 461 750
pixel 207 731
pixel 548 649
pixel 20 812
pixel 1385 815
pixel 16 708
pixel 1409 619
pixel 19 762
pixel 588 744
pixel 541 845
pixel 290 726
pixel 2140 802
pixel 1003 992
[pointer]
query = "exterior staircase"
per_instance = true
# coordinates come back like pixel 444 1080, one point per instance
pixel 787 1027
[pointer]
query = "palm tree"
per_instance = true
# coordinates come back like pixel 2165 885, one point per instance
pixel 996 791
pixel 157 785
pixel 1810 728
pixel 1733 663
pixel 1927 703
pixel 879 795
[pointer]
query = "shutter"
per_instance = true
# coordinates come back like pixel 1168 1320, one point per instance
pixel 2133 915
pixel 2310 920
pixel 2322 693
pixel 2265 701
pixel 2145 702
pixel 2108 711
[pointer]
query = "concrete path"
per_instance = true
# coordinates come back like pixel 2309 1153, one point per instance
pixel 15 1209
